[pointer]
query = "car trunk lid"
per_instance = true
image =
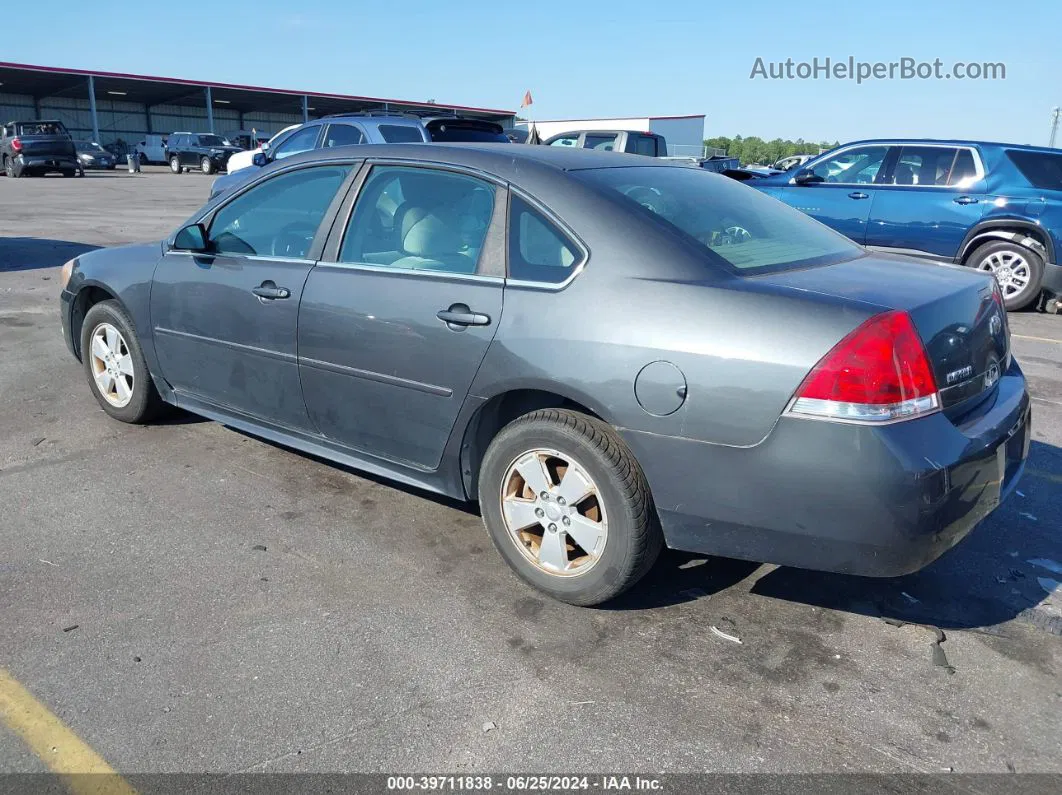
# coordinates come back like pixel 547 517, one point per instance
pixel 963 328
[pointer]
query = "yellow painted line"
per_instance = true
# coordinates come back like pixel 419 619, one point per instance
pixel 55 744
pixel 1039 473
pixel 1036 339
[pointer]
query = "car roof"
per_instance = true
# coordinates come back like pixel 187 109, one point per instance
pixel 948 142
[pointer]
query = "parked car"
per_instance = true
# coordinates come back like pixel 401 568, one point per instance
pixel 37 147
pixel 92 155
pixel 245 159
pixel 369 127
pixel 993 207
pixel 633 142
pixel 423 316
pixel 152 149
pixel 791 162
pixel 203 151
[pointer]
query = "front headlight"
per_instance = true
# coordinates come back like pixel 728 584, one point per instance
pixel 66 273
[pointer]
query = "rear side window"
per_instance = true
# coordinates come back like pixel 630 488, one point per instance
pixel 923 165
pixel 1043 170
pixel 401 134
pixel 644 145
pixel 538 250
pixel 342 135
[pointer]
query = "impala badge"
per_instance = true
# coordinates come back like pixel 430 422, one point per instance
pixel 959 375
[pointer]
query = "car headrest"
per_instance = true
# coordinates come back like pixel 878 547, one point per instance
pixel 427 235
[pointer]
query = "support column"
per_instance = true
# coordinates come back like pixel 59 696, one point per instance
pixel 210 108
pixel 92 109
pixel 305 108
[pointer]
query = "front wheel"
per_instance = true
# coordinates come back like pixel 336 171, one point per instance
pixel 207 165
pixel 175 165
pixel 568 507
pixel 115 367
pixel 1018 270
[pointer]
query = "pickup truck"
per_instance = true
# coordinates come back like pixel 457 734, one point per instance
pixel 28 147
pixel 633 141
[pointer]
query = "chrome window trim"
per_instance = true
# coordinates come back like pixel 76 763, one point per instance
pixel 979 165
pixel 237 255
pixel 358 266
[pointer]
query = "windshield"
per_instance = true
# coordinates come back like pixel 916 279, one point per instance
pixel 457 131
pixel 212 140
pixel 746 231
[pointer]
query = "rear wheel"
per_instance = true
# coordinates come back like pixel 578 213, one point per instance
pixel 568 507
pixel 8 171
pixel 1018 270
pixel 175 164
pixel 207 165
pixel 115 367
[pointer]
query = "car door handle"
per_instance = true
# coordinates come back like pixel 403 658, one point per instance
pixel 858 194
pixel 460 315
pixel 965 200
pixel 270 291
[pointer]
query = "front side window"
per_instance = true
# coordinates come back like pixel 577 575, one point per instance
pixel 419 219
pixel 923 165
pixel 605 142
pixel 538 250
pixel 742 230
pixel 279 217
pixel 343 135
pixel 401 134
pixel 858 166
pixel 300 141
pixel 566 140
pixel 1042 169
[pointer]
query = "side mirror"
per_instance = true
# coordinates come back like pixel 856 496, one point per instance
pixel 191 238
pixel 806 176
pixel 260 159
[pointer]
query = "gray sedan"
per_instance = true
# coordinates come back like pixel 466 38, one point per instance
pixel 609 353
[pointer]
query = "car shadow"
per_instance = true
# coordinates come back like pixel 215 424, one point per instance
pixel 30 253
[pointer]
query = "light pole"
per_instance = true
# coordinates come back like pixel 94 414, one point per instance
pixel 1055 113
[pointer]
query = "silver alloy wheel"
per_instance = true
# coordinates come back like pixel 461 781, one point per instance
pixel 112 366
pixel 1011 270
pixel 206 165
pixel 175 165
pixel 554 512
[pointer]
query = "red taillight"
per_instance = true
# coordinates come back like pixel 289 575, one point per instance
pixel 16 145
pixel 878 373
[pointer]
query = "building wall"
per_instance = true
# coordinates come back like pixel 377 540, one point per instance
pixel 685 137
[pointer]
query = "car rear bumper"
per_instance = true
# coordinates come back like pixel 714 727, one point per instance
pixel 57 162
pixel 856 499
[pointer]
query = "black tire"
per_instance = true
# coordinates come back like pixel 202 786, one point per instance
pixel 5 171
pixel 1002 248
pixel 206 165
pixel 145 403
pixel 634 537
pixel 175 165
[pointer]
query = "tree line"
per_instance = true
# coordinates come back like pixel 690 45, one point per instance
pixel 756 150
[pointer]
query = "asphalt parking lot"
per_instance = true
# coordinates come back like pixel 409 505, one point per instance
pixel 188 598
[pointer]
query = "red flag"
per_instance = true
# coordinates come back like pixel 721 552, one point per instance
pixel 527 99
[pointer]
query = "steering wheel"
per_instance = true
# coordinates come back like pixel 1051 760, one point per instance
pixel 648 198
pixel 293 240
pixel 738 234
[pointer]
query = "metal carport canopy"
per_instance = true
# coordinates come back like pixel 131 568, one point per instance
pixel 48 81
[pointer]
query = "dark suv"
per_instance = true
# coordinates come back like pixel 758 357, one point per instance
pixel 203 151
pixel 994 207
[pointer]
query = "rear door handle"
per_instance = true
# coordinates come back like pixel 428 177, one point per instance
pixel 459 315
pixel 270 291
pixel 965 200
pixel 858 194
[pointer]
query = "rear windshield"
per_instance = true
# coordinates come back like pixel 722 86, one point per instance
pixel 745 231
pixel 456 132
pixel 1043 170
pixel 399 134
pixel 42 128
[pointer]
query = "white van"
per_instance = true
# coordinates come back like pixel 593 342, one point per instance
pixel 152 149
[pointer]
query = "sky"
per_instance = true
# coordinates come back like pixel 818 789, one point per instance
pixel 595 59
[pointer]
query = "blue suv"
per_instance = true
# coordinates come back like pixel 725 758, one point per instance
pixel 995 207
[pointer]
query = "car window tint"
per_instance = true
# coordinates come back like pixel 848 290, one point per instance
pixel 300 141
pixel 463 131
pixel 606 142
pixel 743 230
pixel 963 170
pixel 1042 169
pixel 644 145
pixel 566 140
pixel 854 166
pixel 538 251
pixel 419 219
pixel 343 135
pixel 279 217
pixel 401 134
pixel 923 165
